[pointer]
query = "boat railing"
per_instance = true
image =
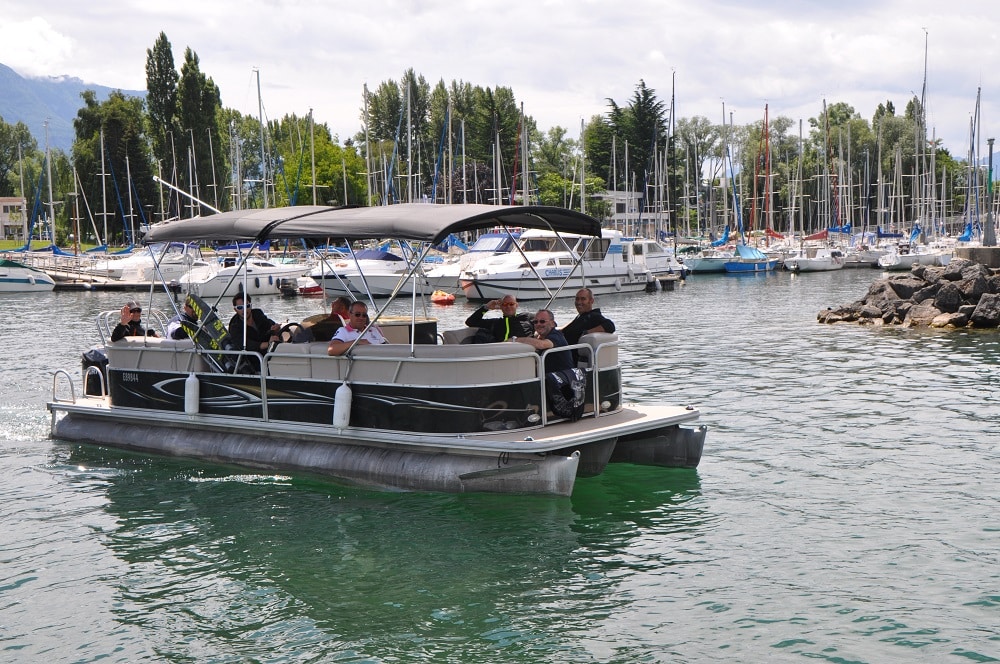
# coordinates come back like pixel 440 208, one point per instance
pixel 421 365
pixel 68 380
pixel 107 320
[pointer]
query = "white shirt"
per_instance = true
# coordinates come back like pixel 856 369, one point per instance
pixel 348 334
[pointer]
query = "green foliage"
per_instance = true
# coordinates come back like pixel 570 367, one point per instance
pixel 15 140
pixel 128 186
pixel 161 97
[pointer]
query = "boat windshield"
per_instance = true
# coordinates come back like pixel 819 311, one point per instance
pixel 491 243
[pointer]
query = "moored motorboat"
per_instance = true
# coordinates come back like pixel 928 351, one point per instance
pixel 547 264
pixel 413 414
pixel 815 259
pixel 16 277
pixel 256 276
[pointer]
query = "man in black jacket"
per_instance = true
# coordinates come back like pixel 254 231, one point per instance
pixel 511 324
pixel 130 324
pixel 588 318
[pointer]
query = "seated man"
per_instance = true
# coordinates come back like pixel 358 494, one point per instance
pixel 588 318
pixel 547 336
pixel 322 328
pixel 565 386
pixel 175 329
pixel 261 331
pixel 130 323
pixel 357 326
pixel 510 324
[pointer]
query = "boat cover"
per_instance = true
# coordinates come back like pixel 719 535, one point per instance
pixel 747 252
pixel 409 221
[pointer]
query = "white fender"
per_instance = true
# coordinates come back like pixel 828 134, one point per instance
pixel 342 406
pixel 618 285
pixel 192 394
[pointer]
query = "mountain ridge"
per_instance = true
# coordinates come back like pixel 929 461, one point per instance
pixel 33 100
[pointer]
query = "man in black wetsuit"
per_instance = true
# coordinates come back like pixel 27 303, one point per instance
pixel 511 324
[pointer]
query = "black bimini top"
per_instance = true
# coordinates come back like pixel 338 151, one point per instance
pixel 408 221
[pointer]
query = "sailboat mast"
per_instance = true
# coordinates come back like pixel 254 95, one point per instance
pixel 260 121
pixel 104 191
pixel 524 159
pixel 312 157
pixel 131 208
pixel 409 143
pixel 24 199
pixel 583 170
pixel 76 216
pixel 370 177
pixel 465 179
pixel 48 173
pixel 211 156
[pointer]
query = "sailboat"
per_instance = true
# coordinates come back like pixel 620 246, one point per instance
pixel 814 253
pixel 747 259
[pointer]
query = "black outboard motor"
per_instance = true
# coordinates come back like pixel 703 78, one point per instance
pixel 92 383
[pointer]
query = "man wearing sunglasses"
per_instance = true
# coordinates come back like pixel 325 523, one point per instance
pixel 355 327
pixel 510 324
pixel 261 331
pixel 130 324
pixel 547 336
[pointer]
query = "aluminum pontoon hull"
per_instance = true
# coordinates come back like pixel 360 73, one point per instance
pixel 506 462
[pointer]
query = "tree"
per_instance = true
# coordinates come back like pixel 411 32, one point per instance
pixel 161 98
pixel 128 185
pixel 15 140
pixel 641 125
pixel 198 104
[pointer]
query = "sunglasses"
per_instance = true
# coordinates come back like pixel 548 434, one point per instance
pixel 137 310
pixel 536 321
pixel 364 315
pixel 239 307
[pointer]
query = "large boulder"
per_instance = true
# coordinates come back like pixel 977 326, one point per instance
pixel 987 312
pixel 973 287
pixel 921 315
pixel 948 298
pixel 956 319
pixel 906 285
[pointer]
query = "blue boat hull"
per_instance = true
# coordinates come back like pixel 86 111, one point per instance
pixel 750 266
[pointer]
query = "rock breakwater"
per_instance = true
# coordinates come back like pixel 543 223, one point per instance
pixel 958 295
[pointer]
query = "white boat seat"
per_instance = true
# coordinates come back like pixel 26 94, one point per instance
pixel 605 344
pixel 155 354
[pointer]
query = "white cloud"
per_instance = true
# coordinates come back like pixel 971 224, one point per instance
pixel 32 47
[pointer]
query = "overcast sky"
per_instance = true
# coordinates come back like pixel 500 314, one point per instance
pixel 562 58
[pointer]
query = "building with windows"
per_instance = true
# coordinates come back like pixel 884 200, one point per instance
pixel 13 217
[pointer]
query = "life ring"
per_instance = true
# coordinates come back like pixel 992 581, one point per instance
pixel 618 285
